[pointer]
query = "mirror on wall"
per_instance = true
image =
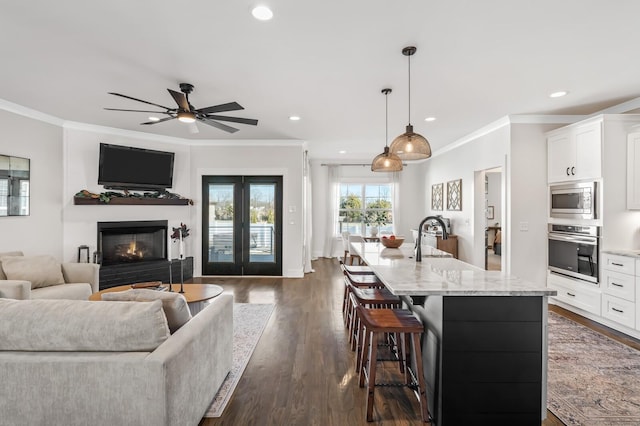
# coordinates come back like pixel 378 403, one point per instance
pixel 14 186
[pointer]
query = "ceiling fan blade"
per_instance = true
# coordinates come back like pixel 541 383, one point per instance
pixel 193 128
pixel 136 110
pixel 218 125
pixel 231 106
pixel 180 99
pixel 139 100
pixel 158 121
pixel 250 121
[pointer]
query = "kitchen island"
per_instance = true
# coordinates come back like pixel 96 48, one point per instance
pixel 485 341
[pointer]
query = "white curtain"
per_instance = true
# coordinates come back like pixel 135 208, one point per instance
pixel 333 173
pixel 308 214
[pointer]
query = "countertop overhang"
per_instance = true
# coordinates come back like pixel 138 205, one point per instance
pixel 440 274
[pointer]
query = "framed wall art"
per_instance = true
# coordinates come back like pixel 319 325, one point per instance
pixel 454 195
pixel 437 196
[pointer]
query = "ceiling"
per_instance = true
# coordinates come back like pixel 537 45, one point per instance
pixel 325 61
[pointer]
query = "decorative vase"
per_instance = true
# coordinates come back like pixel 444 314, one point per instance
pixel 374 231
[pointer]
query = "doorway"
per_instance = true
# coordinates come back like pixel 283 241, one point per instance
pixel 242 223
pixel 493 227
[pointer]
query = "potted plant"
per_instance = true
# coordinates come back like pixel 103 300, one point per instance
pixel 375 219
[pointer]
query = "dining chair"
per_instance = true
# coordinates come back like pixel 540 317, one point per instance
pixel 354 239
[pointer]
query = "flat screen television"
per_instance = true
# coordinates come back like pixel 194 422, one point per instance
pixel 124 167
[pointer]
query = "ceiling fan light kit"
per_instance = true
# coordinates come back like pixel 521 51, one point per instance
pixel 186 117
pixel 410 146
pixel 186 113
pixel 386 162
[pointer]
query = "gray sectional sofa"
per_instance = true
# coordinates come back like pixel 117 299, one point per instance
pixel 70 362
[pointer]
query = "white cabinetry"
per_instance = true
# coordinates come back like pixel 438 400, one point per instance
pixel 581 294
pixel 619 283
pixel 633 171
pixel 574 152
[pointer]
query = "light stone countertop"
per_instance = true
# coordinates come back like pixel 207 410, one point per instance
pixel 442 275
pixel 628 253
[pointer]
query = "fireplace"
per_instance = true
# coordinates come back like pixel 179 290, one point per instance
pixel 132 242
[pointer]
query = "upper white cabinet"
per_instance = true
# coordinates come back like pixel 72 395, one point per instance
pixel 574 152
pixel 633 171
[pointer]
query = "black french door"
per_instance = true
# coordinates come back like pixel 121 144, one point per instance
pixel 242 223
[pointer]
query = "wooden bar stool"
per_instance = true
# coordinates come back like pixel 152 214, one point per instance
pixel 360 281
pixel 369 298
pixel 357 269
pixel 376 322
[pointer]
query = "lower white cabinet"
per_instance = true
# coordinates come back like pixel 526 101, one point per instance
pixel 581 294
pixel 619 310
pixel 619 282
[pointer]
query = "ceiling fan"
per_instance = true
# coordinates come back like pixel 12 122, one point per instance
pixel 186 113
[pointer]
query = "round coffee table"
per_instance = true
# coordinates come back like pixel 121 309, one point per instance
pixel 197 295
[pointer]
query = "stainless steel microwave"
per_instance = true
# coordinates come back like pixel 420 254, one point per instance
pixel 573 200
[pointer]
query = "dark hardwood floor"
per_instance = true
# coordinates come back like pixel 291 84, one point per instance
pixel 302 371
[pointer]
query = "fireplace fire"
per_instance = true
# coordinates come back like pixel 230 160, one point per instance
pixel 132 241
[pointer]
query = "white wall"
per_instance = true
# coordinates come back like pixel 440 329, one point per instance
pixel 526 203
pixel 41 231
pixel 81 154
pixel 494 196
pixel 255 158
pixel 485 152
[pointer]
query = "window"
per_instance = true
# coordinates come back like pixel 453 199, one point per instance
pixel 362 206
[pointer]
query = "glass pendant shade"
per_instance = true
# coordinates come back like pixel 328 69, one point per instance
pixel 411 146
pixel 386 162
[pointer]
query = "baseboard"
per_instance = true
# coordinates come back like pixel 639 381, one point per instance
pixel 294 273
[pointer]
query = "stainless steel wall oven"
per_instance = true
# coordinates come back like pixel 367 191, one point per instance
pixel 573 251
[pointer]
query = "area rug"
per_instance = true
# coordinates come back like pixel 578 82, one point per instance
pixel 249 321
pixel 593 380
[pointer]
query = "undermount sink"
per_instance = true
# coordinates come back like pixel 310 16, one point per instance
pixel 437 255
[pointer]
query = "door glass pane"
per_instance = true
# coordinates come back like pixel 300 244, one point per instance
pixel 262 211
pixel 221 223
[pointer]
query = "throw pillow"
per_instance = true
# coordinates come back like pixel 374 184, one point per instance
pixel 78 325
pixel 174 304
pixel 42 271
pixel 9 253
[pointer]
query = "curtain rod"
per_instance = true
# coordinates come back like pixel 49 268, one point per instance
pixel 351 164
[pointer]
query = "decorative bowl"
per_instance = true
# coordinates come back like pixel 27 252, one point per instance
pixel 392 243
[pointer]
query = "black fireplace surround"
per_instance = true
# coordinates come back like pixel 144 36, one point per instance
pixel 136 251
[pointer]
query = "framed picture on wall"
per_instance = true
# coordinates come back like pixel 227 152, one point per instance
pixel 454 195
pixel 490 212
pixel 437 196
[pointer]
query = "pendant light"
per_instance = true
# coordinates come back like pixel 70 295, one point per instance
pixel 410 145
pixel 386 162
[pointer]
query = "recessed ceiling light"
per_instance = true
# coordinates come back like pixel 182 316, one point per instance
pixel 154 119
pixel 262 13
pixel 430 119
pixel 342 152
pixel 558 94
pixel 294 118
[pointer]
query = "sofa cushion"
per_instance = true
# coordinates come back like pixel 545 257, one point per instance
pixel 174 304
pixel 75 291
pixel 41 271
pixel 8 253
pixel 77 325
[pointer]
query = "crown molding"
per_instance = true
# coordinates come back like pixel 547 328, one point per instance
pixel 506 121
pixel 30 113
